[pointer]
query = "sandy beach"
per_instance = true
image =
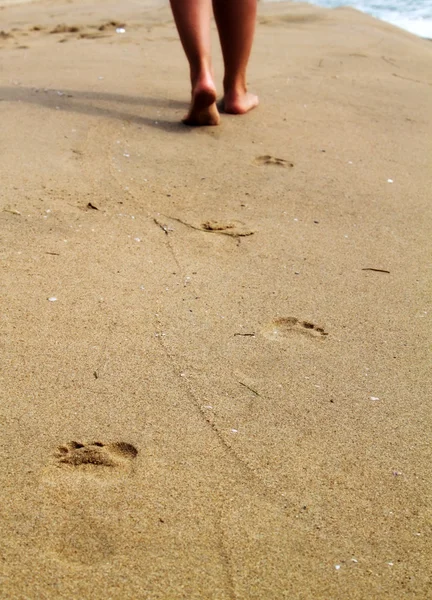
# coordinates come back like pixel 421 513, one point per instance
pixel 215 342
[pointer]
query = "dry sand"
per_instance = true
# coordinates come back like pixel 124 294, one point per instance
pixel 242 313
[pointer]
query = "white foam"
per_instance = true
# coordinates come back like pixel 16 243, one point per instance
pixel 420 27
pixel 414 16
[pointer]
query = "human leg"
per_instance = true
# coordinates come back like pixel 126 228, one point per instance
pixel 192 18
pixel 235 20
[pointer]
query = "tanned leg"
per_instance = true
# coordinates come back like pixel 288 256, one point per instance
pixel 192 19
pixel 235 20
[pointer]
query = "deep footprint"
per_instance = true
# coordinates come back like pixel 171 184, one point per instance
pixel 283 327
pixel 232 228
pixel 266 160
pixel 95 455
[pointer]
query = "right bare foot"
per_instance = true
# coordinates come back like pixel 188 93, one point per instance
pixel 239 103
pixel 203 109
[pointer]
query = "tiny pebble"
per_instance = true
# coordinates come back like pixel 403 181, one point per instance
pixel 337 567
pixel 389 180
pixel 137 239
pixel 120 30
pixel 52 299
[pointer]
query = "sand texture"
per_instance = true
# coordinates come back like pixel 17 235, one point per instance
pixel 216 342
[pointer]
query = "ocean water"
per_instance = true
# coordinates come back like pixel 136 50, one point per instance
pixel 413 15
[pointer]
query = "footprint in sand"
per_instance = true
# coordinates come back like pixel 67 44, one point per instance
pixel 232 228
pixel 63 28
pixel 95 456
pixel 283 328
pixel 81 490
pixel 87 32
pixel 262 161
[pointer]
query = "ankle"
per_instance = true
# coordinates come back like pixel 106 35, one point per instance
pixel 235 87
pixel 201 72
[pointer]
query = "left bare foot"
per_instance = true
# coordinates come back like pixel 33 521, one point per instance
pixel 203 109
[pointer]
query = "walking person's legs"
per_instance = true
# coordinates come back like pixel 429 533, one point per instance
pixel 235 20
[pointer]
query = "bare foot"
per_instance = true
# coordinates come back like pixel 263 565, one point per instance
pixel 203 109
pixel 239 103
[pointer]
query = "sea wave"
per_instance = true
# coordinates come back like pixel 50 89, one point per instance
pixel 412 15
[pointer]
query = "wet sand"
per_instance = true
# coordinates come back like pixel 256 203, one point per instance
pixel 215 342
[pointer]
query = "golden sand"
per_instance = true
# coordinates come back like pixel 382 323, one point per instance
pixel 216 345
